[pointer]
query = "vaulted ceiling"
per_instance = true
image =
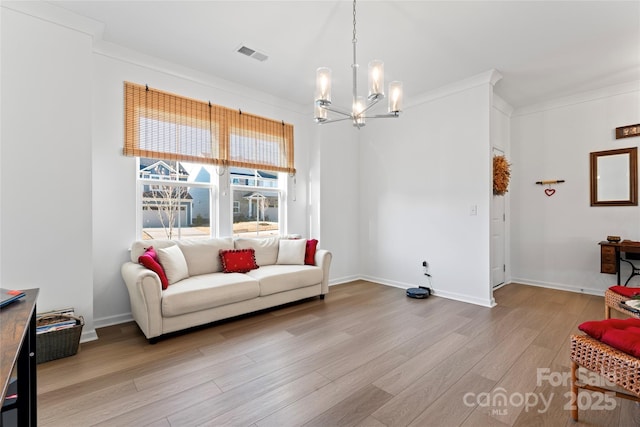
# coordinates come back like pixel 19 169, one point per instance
pixel 543 49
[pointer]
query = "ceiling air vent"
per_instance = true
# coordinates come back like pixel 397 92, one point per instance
pixel 252 53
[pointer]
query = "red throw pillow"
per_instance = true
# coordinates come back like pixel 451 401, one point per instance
pixel 238 260
pixel 310 253
pixel 622 334
pixel 150 260
pixel 625 292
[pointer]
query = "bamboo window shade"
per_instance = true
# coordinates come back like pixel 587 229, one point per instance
pixel 166 126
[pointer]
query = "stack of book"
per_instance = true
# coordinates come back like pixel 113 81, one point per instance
pixel 55 320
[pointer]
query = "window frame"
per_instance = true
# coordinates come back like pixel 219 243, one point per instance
pixel 214 202
pixel 280 189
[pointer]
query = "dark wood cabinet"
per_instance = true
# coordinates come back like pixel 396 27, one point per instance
pixel 608 262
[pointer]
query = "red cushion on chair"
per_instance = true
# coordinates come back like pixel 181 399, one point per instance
pixel 310 252
pixel 150 260
pixel 622 334
pixel 624 291
pixel 238 260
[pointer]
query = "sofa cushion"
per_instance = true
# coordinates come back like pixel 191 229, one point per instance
pixel 174 264
pixel 624 291
pixel 202 256
pixel 310 252
pixel 281 278
pixel 266 249
pixel 622 334
pixel 150 260
pixel 238 260
pixel 207 291
pixel 140 246
pixel 291 252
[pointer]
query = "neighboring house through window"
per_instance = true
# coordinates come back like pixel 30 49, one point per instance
pixel 256 202
pixel 175 203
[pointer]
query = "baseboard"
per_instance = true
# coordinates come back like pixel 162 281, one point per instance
pixel 465 298
pixel 558 286
pixel 112 320
pixel 87 336
pixel 436 292
pixel 343 280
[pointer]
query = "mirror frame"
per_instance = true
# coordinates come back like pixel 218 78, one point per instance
pixel 633 177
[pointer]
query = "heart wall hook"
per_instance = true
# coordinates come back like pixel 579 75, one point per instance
pixel 550 191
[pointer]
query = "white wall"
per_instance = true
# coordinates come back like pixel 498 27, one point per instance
pixel 554 240
pixel 68 193
pixel 420 176
pixel 46 163
pixel 338 204
pixel 114 175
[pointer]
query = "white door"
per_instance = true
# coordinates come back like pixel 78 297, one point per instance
pixel 497 237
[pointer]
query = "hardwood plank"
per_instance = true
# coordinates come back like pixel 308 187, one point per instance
pixel 400 378
pixel 410 402
pixel 265 405
pixel 353 409
pixel 496 363
pixel 520 379
pixel 463 394
pixel 366 355
pixel 333 393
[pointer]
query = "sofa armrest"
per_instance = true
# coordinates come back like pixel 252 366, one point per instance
pixel 323 260
pixel 145 294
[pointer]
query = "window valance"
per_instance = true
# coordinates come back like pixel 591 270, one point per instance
pixel 166 126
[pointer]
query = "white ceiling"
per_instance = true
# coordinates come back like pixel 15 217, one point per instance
pixel 543 49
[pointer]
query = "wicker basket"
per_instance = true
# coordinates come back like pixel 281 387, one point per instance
pixel 60 343
pixel 612 300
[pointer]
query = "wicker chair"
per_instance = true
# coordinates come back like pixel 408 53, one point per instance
pixel 613 300
pixel 616 366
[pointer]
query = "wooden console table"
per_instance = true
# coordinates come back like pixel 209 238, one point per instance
pixel 18 338
pixel 610 257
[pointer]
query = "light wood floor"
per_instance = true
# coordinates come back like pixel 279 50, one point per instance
pixel 365 356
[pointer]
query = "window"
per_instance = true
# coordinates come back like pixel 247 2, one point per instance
pixel 256 202
pixel 180 141
pixel 176 200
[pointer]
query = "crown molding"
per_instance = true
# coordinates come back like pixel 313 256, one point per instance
pixel 57 15
pixel 605 92
pixel 490 77
pixel 501 105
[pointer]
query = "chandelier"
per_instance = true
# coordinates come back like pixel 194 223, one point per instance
pixel 358 112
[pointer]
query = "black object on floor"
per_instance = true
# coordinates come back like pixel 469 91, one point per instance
pixel 420 292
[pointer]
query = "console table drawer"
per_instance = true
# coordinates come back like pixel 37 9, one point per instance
pixel 607 259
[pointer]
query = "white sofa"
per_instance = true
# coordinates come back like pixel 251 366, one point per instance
pixel 208 294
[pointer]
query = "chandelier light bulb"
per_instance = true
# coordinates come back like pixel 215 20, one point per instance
pixel 323 84
pixel 395 97
pixel 376 78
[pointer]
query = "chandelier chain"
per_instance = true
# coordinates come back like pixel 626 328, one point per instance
pixel 354 40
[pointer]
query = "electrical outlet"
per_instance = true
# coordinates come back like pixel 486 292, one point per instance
pixel 425 268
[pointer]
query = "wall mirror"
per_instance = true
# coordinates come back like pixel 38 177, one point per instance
pixel 614 177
